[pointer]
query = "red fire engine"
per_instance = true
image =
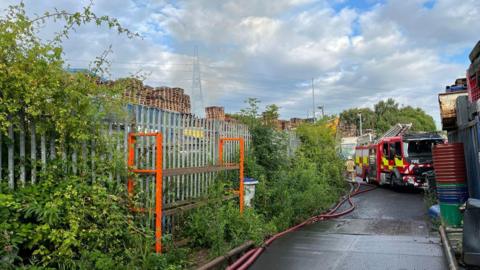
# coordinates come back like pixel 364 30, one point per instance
pixel 400 160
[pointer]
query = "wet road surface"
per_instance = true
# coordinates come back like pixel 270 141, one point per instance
pixel 387 230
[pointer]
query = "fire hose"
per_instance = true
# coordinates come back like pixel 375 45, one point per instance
pixel 249 257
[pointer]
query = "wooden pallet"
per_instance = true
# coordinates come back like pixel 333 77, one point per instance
pixel 164 98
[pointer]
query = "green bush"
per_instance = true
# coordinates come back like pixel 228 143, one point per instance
pixel 73 224
pixel 65 221
pixel 296 193
pixel 219 226
pixel 292 189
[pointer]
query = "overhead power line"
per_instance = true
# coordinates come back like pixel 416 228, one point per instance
pixel 207 68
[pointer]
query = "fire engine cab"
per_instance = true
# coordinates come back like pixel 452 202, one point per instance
pixel 402 160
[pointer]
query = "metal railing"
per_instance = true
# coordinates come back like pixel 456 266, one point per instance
pixel 187 142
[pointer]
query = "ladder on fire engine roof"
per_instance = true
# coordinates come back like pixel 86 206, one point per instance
pixel 397 130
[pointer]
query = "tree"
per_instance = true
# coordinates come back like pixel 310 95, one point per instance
pixel 420 120
pixel 383 107
pixel 270 115
pixel 388 113
pixel 64 220
pixel 350 117
pixel 250 114
pixel 34 84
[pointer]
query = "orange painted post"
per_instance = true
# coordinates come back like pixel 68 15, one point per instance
pixel 241 175
pixel 130 162
pixel 241 166
pixel 220 152
pixel 158 195
pixel 158 171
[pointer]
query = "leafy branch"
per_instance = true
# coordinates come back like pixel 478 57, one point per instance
pixel 76 19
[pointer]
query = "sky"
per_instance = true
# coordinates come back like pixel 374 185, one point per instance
pixel 356 52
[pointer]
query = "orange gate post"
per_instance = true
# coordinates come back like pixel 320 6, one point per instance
pixel 158 195
pixel 158 171
pixel 242 153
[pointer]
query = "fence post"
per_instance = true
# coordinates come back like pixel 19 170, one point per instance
pixel 10 148
pixel 110 148
pixel 52 148
pixel 158 195
pixel 33 152
pixel 242 190
pixel 130 162
pixel 43 151
pixel 74 160
pixel 22 150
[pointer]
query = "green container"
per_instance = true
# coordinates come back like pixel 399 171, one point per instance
pixel 451 185
pixel 451 215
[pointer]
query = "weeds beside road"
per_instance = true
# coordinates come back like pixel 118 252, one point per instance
pixel 290 189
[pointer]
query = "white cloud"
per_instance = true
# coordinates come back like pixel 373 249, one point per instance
pixel 272 49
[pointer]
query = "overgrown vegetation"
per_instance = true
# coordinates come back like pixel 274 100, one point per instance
pixel 69 223
pixel 293 188
pixel 69 219
pixel 388 113
pixel 219 227
pixel 290 189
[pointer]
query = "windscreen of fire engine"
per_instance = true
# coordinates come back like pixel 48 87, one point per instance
pixel 419 151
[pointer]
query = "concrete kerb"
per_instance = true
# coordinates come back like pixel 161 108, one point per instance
pixel 447 248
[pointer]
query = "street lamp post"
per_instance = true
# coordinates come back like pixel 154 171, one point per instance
pixel 360 116
pixel 322 108
pixel 313 102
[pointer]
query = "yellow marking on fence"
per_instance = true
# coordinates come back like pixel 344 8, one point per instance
pixel 193 133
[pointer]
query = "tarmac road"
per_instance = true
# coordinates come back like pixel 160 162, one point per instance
pixel 387 230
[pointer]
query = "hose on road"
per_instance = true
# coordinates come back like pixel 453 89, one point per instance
pixel 249 257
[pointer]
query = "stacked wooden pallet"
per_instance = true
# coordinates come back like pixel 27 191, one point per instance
pixel 146 96
pixel 284 125
pixel 164 98
pixel 215 112
pixel 173 99
pixel 133 88
pixel 295 122
pixel 347 130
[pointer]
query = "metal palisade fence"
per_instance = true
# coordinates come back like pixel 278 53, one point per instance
pixel 187 142
pixel 293 143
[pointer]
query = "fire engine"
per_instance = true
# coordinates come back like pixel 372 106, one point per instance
pixel 398 158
